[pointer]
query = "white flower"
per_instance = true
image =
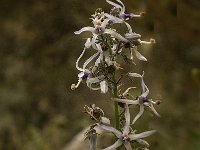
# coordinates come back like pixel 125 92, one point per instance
pixel 141 100
pixel 125 136
pixel 122 14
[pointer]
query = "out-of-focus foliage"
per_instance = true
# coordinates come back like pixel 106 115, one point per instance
pixel 37 66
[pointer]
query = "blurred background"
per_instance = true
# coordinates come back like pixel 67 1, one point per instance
pixel 38 50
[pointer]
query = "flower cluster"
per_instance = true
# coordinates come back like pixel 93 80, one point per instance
pixel 102 71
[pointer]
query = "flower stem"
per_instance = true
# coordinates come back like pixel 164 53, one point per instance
pixel 116 104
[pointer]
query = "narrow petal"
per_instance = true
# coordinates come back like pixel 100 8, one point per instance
pixel 139 114
pixel 154 110
pixel 141 135
pixel 129 27
pixel 139 56
pixel 104 86
pixel 114 4
pixel 128 146
pixel 123 7
pixel 126 101
pixel 111 129
pixel 135 75
pixel 126 92
pixel 145 90
pixel 116 35
pixel 77 61
pixel 143 142
pixel 114 146
pixel 127 117
pixel 90 29
pixel 89 60
pixel 113 18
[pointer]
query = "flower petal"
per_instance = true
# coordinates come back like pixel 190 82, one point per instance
pixel 114 146
pixel 139 114
pixel 126 101
pixel 111 129
pixel 77 61
pixel 123 7
pixel 90 29
pixel 127 145
pixel 113 18
pixel 141 135
pixel 154 110
pixel 145 90
pixel 139 56
pixel 127 117
pixel 114 4
pixel 116 35
pixel 90 59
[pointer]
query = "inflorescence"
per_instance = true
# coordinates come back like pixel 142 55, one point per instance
pixel 101 72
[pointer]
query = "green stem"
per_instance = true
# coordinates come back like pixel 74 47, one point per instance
pixel 116 104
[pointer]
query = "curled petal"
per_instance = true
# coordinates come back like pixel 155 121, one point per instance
pixel 90 59
pixel 123 7
pixel 139 114
pixel 126 101
pixel 114 146
pixel 139 56
pixel 114 4
pixel 116 35
pixel 141 135
pixel 80 69
pixel 84 29
pixel 127 145
pixel 154 110
pixel 111 129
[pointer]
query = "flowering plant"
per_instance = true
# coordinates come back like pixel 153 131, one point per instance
pixel 102 71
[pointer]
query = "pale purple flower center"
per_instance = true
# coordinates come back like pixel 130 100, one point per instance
pixel 84 76
pixel 145 100
pixel 126 16
pixel 124 137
